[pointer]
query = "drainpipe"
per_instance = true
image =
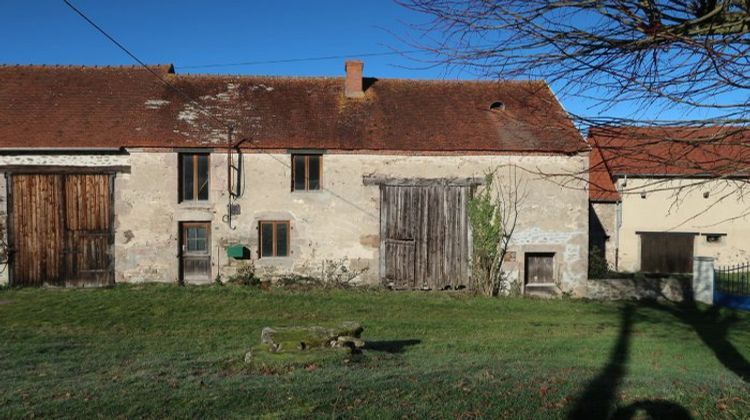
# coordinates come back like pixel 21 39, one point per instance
pixel 618 223
pixel 230 194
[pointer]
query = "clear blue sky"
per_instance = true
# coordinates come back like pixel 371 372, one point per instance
pixel 192 32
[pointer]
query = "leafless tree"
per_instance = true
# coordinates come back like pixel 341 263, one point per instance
pixel 690 56
pixel 682 52
pixel 494 212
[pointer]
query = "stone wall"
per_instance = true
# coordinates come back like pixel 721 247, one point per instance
pixel 4 222
pixel 339 224
pixel 674 289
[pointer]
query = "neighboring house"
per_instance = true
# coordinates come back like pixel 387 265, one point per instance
pixel 660 196
pixel 113 176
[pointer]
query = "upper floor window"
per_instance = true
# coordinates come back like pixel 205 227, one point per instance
pixel 194 176
pixel 306 172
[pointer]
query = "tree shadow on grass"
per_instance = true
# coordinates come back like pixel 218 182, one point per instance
pixel 600 394
pixel 713 329
pixel 598 399
pixel 390 346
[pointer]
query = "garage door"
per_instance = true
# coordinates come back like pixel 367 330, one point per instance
pixel 61 229
pixel 666 252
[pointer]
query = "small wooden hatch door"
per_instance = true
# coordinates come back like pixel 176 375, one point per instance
pixel 540 268
pixel 195 255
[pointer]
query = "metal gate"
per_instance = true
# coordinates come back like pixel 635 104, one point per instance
pixel 732 286
pixel 60 229
pixel 425 236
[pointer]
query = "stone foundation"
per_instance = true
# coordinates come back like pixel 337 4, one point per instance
pixel 673 289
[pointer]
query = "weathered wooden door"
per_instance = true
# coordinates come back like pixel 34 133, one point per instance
pixel 195 255
pixel 667 252
pixel 539 268
pixel 36 230
pixel 61 230
pixel 425 236
pixel 88 233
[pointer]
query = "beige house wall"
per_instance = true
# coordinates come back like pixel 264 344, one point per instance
pixel 679 205
pixel 339 224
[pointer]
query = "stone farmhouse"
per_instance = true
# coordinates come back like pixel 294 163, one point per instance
pixel 660 196
pixel 123 174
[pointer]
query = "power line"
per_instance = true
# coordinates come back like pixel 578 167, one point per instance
pixel 298 60
pixel 138 60
pixel 190 99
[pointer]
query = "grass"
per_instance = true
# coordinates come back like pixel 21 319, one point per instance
pixel 164 351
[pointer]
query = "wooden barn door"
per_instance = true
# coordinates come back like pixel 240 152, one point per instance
pixel 61 230
pixel 425 236
pixel 36 230
pixel 88 230
pixel 400 211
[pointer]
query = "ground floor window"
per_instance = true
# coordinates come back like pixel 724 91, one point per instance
pixel 274 238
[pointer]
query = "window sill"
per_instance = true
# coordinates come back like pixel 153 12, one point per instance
pixel 287 258
pixel 532 285
pixel 196 205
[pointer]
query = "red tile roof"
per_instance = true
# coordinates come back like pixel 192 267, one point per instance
pixel 712 151
pixel 47 106
pixel 601 186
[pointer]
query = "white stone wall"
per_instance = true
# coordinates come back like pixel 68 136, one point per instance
pixel 82 159
pixel 338 223
pixel 4 268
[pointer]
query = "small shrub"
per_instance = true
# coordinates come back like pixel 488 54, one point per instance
pixel 598 267
pixel 299 282
pixel 245 275
pixel 514 288
pixel 338 273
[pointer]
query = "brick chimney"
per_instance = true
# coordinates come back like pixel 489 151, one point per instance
pixel 353 84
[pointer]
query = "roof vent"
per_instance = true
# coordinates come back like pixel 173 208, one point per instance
pixel 497 106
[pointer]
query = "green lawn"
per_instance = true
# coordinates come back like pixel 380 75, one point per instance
pixel 160 351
